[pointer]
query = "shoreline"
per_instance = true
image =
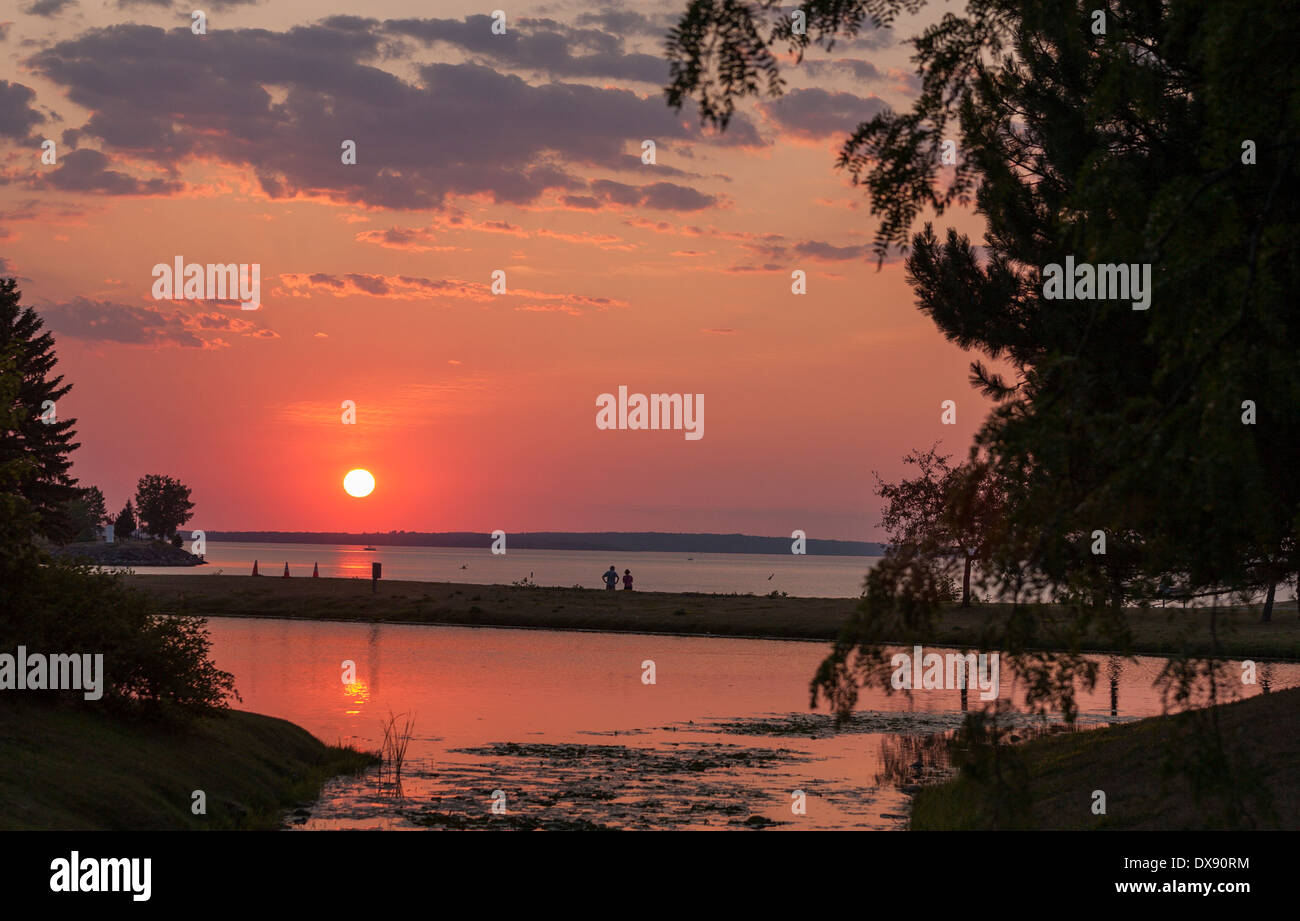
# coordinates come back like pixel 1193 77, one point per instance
pixel 1156 632
pixel 1130 762
pixel 73 768
pixel 610 631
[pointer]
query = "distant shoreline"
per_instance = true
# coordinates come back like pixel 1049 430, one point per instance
pixel 611 541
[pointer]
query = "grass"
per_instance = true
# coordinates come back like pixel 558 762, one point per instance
pixel 1138 766
pixel 1156 631
pixel 397 736
pixel 76 769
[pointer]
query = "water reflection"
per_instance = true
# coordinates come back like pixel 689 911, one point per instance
pixel 908 760
pixel 563 725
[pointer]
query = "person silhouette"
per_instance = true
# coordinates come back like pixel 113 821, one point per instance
pixel 627 579
pixel 611 578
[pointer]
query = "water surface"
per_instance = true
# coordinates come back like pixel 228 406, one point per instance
pixel 757 573
pixel 564 726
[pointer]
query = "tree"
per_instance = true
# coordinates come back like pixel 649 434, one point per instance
pixel 124 524
pixel 945 513
pixel 158 662
pixel 975 502
pixel 163 504
pixel 85 513
pixel 1145 145
pixel 19 557
pixel 35 440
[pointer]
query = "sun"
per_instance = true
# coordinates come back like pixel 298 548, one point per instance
pixel 359 483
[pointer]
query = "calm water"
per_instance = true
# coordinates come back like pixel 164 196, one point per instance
pixel 564 727
pixel 804 576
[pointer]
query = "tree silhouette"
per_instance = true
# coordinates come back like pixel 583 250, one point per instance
pixel 35 439
pixel 163 504
pixel 124 524
pixel 1171 429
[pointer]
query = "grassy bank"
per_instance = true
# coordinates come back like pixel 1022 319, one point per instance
pixel 1132 764
pixel 72 769
pixel 1155 630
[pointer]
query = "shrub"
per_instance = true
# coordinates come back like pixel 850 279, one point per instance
pixel 151 659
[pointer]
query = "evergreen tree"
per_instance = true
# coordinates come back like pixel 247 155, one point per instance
pixel 86 514
pixel 1148 138
pixel 124 525
pixel 35 440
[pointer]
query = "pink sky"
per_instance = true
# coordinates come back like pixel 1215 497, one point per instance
pixel 474 411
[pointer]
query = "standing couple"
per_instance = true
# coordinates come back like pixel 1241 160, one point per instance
pixel 611 579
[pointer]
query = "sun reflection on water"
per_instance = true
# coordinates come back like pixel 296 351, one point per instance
pixel 358 695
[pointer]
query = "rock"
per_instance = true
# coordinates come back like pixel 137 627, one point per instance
pixel 129 553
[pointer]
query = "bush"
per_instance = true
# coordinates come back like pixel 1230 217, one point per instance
pixel 151 660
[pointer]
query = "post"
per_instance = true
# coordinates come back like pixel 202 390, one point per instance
pixel 375 570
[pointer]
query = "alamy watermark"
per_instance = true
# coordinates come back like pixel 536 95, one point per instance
pixel 211 282
pixel 951 671
pixel 57 672
pixel 681 411
pixel 1086 282
pixel 103 874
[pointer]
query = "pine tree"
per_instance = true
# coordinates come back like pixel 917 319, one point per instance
pixel 124 525
pixel 34 434
pixel 1137 140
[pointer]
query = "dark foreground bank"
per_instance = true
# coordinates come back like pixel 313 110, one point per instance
pixel 73 769
pixel 1163 773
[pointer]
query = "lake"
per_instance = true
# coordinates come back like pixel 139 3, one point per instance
pixel 724 573
pixel 563 727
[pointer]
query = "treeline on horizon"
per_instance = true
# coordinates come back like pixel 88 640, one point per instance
pixel 614 541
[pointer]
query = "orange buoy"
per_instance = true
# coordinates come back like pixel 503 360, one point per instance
pixel 255 567
pixel 286 569
pixel 315 571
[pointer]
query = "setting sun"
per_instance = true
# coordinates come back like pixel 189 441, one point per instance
pixel 359 483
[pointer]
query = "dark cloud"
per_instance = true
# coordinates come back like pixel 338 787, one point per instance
pixel 47 8
pixel 826 252
pixel 581 202
pixel 869 39
pixel 217 5
pixel 87 171
pixel 814 113
pixel 416 239
pixel 864 71
pixel 167 97
pixel 540 45
pixel 664 196
pixel 621 21
pixel 17 115
pixel 106 321
pixel 157 325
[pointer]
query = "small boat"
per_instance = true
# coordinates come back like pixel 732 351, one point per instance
pixel 367 548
